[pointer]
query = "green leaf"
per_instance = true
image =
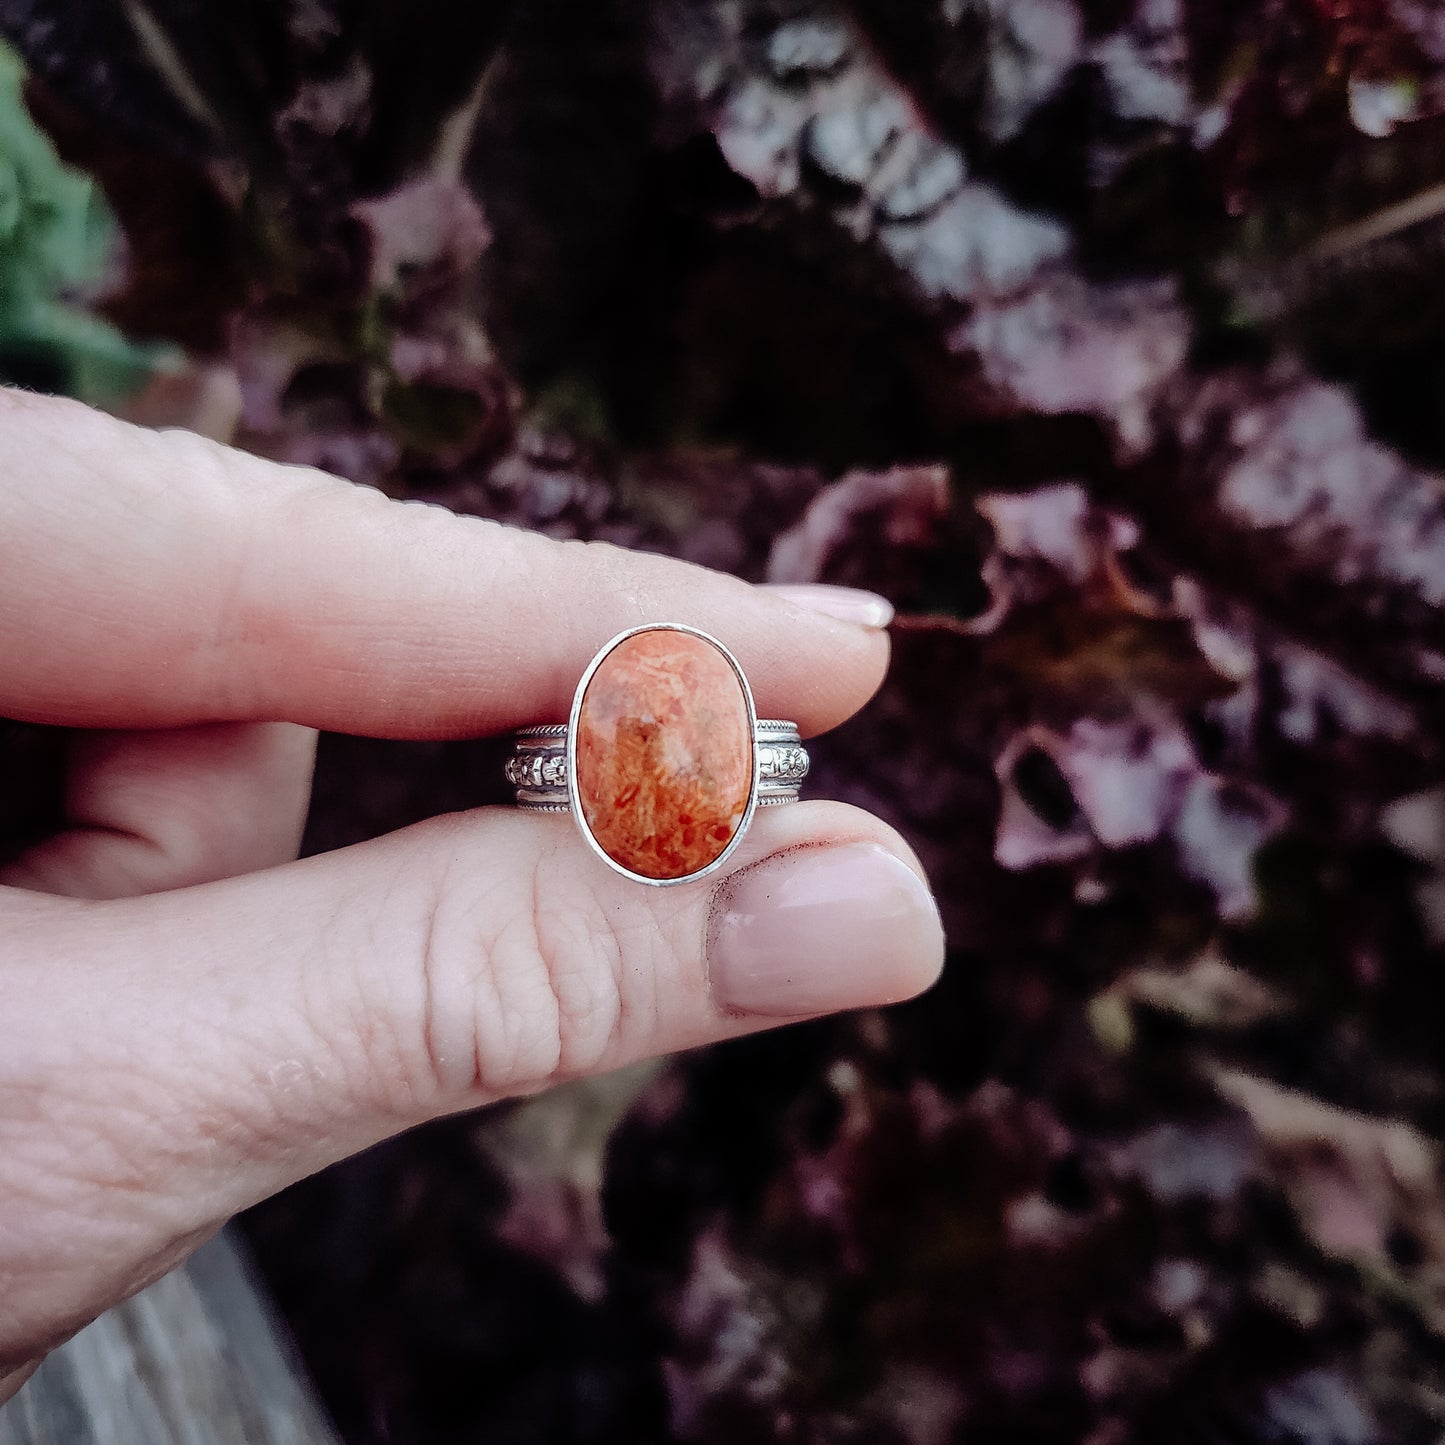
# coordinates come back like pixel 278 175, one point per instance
pixel 56 240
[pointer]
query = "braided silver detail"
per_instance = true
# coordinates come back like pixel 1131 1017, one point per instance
pixel 537 768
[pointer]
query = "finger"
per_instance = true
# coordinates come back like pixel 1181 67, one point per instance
pixel 11 1379
pixel 202 1048
pixel 165 809
pixel 181 582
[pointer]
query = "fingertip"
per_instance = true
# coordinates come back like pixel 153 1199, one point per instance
pixel 839 917
pixel 842 668
pixel 845 604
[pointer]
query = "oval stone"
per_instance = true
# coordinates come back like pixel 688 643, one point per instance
pixel 664 753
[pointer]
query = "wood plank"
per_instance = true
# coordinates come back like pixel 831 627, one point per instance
pixel 199 1358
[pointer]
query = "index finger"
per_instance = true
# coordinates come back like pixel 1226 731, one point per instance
pixel 157 579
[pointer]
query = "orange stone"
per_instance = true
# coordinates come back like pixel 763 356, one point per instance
pixel 664 754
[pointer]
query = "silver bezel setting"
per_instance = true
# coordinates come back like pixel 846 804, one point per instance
pixel 575 801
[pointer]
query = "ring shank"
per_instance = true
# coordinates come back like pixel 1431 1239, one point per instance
pixel 537 768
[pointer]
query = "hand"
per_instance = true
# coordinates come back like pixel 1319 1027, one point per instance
pixel 195 1020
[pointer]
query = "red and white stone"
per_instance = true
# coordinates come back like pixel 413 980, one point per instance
pixel 664 753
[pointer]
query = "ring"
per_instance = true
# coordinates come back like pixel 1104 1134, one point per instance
pixel 663 760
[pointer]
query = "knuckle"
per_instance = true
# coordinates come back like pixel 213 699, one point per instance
pixel 580 956
pixel 520 986
pixel 611 570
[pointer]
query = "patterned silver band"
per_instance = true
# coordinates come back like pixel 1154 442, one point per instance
pixel 537 768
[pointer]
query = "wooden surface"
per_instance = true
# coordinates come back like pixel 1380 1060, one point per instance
pixel 197 1359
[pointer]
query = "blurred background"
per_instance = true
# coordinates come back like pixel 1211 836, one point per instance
pixel 1106 338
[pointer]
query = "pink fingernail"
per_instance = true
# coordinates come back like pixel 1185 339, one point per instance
pixel 825 928
pixel 847 604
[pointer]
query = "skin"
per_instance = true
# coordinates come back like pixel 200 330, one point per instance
pixel 191 1019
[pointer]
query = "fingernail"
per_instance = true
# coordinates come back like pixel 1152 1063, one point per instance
pixel 820 929
pixel 847 604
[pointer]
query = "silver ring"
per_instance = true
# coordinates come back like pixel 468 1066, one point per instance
pixel 663 760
